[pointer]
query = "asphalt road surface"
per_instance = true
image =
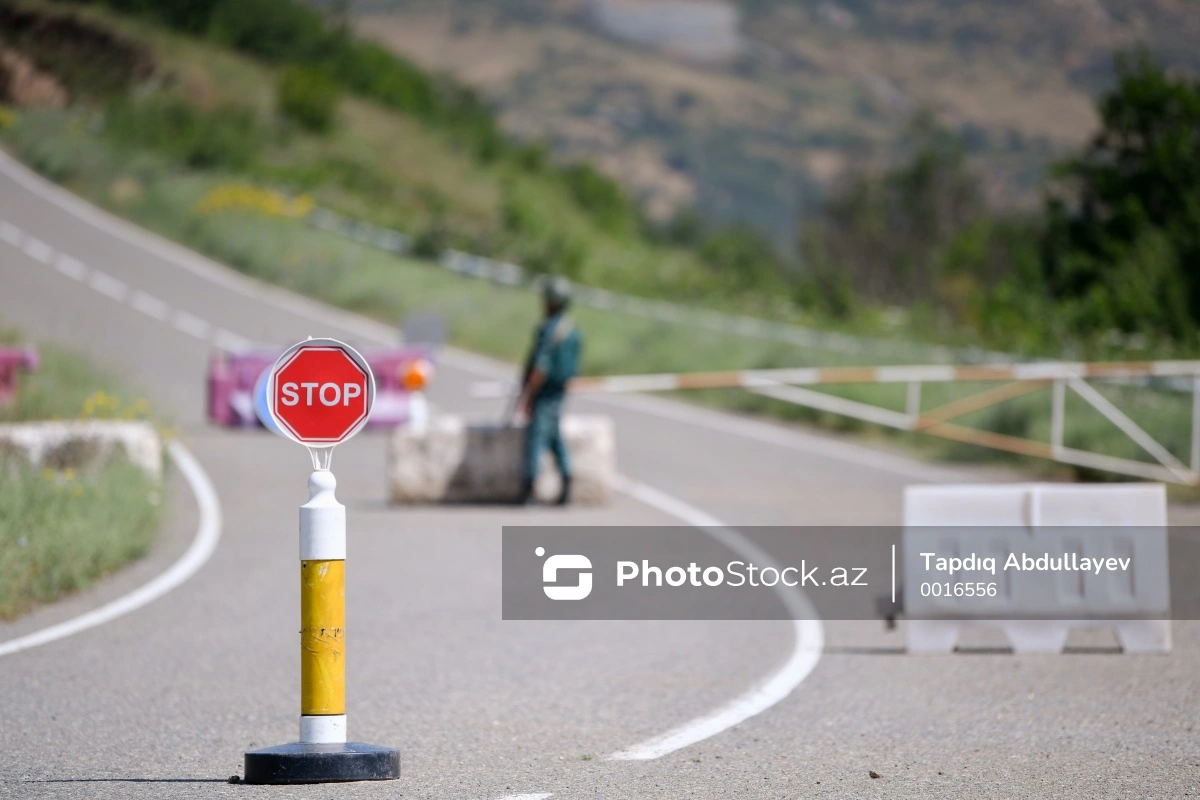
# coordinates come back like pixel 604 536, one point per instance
pixel 163 701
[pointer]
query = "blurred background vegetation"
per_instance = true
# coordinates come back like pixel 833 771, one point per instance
pixel 274 105
pixel 1111 253
pixel 1099 263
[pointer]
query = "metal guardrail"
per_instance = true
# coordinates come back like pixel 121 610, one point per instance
pixel 864 347
pixel 509 274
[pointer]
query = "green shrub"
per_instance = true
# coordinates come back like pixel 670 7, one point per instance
pixel 373 71
pixel 432 240
pixel 559 255
pixel 600 195
pixel 743 256
pixel 531 157
pixel 308 97
pixel 276 30
pixel 520 217
pixel 186 15
pixel 226 137
pixel 686 228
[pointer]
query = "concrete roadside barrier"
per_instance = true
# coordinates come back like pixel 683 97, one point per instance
pixel 456 460
pixel 1037 603
pixel 81 444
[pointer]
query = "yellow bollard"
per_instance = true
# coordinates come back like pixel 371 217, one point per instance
pixel 322 613
pixel 322 637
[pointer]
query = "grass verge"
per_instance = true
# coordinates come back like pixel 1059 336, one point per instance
pixel 61 530
pixel 67 386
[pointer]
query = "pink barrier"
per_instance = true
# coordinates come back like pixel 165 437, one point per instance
pixel 400 376
pixel 13 359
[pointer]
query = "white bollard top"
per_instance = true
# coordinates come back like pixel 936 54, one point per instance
pixel 322 521
pixel 321 485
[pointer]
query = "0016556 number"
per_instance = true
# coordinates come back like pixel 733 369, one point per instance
pixel 948 589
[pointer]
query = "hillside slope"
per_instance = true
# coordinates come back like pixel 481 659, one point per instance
pixel 217 110
pixel 813 89
pixel 186 134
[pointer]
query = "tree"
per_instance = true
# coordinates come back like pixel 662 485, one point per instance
pixel 883 234
pixel 1122 245
pixel 308 97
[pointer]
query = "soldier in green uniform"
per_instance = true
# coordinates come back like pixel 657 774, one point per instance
pixel 552 362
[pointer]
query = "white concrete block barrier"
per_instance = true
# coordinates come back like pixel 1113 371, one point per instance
pixel 1121 529
pixel 81 444
pixel 456 460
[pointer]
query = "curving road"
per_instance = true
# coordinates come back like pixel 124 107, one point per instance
pixel 162 701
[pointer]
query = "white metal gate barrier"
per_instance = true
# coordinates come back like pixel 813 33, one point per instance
pixel 1015 380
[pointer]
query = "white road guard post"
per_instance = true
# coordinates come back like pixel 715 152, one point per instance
pixel 319 393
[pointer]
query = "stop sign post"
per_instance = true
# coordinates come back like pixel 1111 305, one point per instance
pixel 320 393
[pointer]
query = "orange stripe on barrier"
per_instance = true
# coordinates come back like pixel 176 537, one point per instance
pixel 996 441
pixel 989 372
pixel 709 380
pixel 1031 371
pixel 976 402
pixel 1120 370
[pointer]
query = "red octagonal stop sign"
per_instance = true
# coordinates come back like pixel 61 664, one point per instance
pixel 321 392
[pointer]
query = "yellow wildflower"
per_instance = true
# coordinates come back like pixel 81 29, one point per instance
pixel 243 197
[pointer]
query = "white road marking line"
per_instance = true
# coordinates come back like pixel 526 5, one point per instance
pixel 191 324
pixel 526 796
pixel 38 250
pixel 10 233
pixel 808 636
pixel 150 305
pixel 228 340
pixel 107 285
pixel 71 267
pixel 191 261
pixel 208 533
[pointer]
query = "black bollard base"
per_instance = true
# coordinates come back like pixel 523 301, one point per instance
pixel 322 763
